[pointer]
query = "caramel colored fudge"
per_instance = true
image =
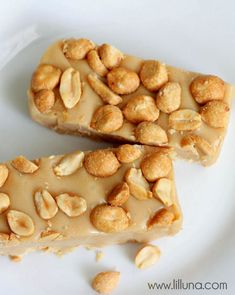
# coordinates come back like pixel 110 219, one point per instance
pixel 86 89
pixel 96 198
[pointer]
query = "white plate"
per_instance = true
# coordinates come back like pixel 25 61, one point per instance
pixel 198 36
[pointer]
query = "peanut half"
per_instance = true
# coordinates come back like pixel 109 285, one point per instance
pixel 150 133
pixel 107 119
pixel 45 77
pixel 156 165
pixel 123 81
pixel 4 202
pixel 69 164
pixel 71 205
pixel 147 256
pixel 70 88
pixel 162 190
pixel 23 165
pixel 103 91
pixel 185 120
pixel 202 146
pixel 44 100
pixel 141 108
pixel 207 88
pixel 127 153
pixel 169 97
pixel 109 219
pixel 162 218
pixel 20 223
pixel 138 185
pixel 45 204
pixel 110 56
pixel 153 74
pixel 95 63
pixel 77 49
pixel 3 174
pixel 106 282
pixel 119 195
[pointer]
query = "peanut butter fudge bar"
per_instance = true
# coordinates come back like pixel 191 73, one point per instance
pixel 89 198
pixel 85 89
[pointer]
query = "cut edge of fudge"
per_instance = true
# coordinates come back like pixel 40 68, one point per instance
pixel 92 198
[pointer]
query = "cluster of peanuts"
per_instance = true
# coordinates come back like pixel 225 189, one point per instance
pixel 150 180
pixel 111 81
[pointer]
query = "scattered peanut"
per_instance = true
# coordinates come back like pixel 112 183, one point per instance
pixel 4 202
pixel 20 223
pixel 95 63
pixel 101 163
pixel 70 88
pixel 109 219
pixel 107 119
pixel 71 205
pixel 147 256
pixel 215 114
pixel 141 108
pixel 162 190
pixel 127 153
pixel 185 120
pixel 103 91
pixel 207 88
pixel 119 195
pixel 153 75
pixel 45 77
pixel 69 164
pixel 139 187
pixel 77 49
pixel 150 133
pixel 156 165
pixel 45 204
pixel 110 56
pixel 23 165
pixel 3 174
pixel 169 97
pixel 106 282
pixel 123 81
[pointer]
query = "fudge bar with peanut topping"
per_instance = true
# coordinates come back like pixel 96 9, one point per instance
pixel 92 198
pixel 86 89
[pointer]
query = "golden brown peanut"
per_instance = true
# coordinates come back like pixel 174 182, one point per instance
pixel 119 195
pixel 163 217
pixel 141 108
pixel 207 88
pixel 169 97
pixel 101 163
pixel 23 165
pixel 77 48
pixel 123 81
pixel 44 100
pixel 49 235
pixel 4 202
pixel 147 256
pixel 109 219
pixel 201 145
pixel 107 119
pixel 150 133
pixel 138 185
pixel 20 223
pixel 45 204
pixel 153 75
pixel 96 64
pixel 162 190
pixel 45 77
pixel 110 56
pixel 185 120
pixel 70 88
pixel 103 91
pixel 69 164
pixel 71 205
pixel 128 153
pixel 215 114
pixel 3 174
pixel 156 165
pixel 106 282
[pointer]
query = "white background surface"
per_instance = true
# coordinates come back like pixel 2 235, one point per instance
pixel 196 35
